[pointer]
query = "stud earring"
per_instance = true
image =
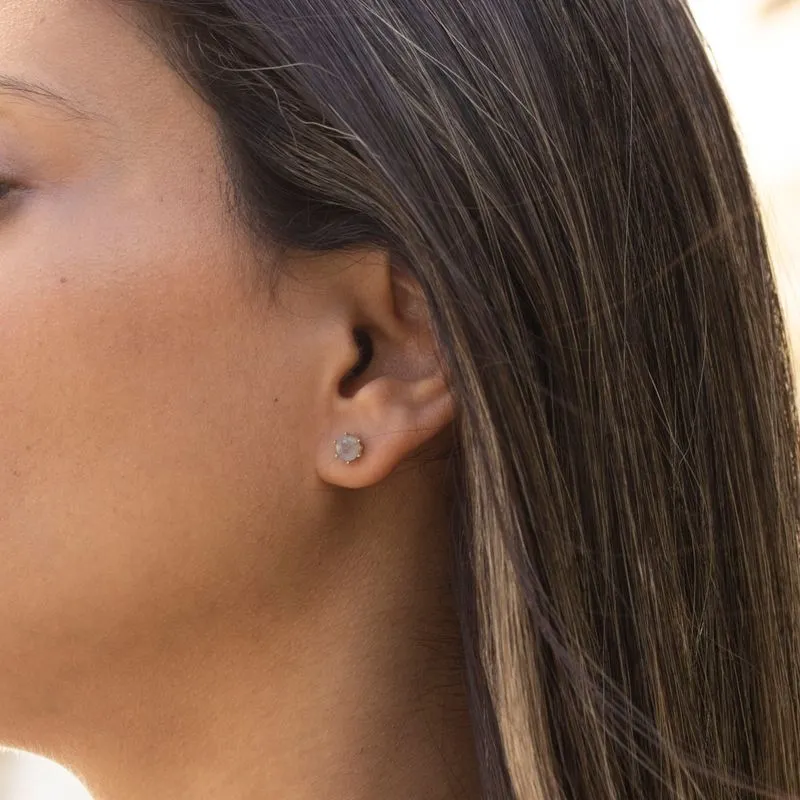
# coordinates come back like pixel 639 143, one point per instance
pixel 348 448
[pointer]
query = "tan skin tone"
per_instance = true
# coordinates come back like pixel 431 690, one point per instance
pixel 197 600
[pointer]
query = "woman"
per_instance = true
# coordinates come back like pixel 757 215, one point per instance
pixel 395 405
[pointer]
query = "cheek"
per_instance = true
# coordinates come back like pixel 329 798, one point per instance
pixel 137 398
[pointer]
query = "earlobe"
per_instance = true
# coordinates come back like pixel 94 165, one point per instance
pixel 398 418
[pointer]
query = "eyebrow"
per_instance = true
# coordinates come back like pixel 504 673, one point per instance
pixel 43 95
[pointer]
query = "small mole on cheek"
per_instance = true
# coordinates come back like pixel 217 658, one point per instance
pixel 275 400
pixel 63 280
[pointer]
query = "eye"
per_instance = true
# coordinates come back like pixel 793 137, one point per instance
pixel 6 188
pixel 10 193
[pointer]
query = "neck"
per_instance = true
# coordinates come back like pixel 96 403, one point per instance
pixel 353 690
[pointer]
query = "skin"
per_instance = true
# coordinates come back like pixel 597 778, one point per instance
pixel 197 600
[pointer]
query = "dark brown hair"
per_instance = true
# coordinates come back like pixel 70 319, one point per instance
pixel 563 179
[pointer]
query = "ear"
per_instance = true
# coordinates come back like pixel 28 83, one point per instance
pixel 385 394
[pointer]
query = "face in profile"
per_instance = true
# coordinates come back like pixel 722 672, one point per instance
pixel 152 414
pixel 171 508
pixel 201 593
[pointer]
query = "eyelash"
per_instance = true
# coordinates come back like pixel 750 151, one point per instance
pixel 10 192
pixel 6 189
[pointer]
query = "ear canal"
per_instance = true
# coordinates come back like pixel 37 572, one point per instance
pixel 365 354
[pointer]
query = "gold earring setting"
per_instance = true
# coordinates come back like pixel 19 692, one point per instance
pixel 348 448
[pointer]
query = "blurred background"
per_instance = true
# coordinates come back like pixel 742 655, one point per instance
pixel 756 46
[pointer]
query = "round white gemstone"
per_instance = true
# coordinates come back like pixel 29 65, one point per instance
pixel 348 448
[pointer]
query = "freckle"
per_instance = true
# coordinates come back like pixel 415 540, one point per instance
pixel 63 280
pixel 15 473
pixel 275 400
